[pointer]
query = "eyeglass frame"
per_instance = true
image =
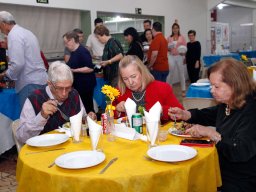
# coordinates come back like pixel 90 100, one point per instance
pixel 61 89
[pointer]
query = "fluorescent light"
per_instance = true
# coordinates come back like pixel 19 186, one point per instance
pixel 221 5
pixel 246 24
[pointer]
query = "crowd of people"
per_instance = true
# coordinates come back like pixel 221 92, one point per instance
pixel 69 86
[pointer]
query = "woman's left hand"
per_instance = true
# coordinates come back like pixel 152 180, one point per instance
pixel 92 115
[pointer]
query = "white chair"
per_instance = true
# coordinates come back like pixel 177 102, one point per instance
pixel 199 103
pixel 15 125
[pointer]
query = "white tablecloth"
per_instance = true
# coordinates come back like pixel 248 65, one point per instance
pixel 6 141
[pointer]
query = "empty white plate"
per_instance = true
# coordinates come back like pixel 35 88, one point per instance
pixel 200 84
pixel 80 159
pixel 172 153
pixel 47 140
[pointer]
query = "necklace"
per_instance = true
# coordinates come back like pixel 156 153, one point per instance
pixel 140 96
pixel 227 110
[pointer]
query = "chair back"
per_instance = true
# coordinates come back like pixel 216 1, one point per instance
pixel 198 103
pixel 15 125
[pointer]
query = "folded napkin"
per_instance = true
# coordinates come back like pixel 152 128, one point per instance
pixel 130 107
pixel 127 133
pixel 152 121
pixel 76 124
pixel 154 113
pixel 95 131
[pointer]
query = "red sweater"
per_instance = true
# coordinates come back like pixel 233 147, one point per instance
pixel 156 91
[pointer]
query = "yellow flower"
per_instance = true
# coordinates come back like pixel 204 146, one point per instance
pixel 110 92
pixel 244 57
pixel 2 63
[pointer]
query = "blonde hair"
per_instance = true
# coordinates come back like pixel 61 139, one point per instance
pixel 235 74
pixel 146 76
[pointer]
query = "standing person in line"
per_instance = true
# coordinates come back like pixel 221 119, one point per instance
pixel 81 65
pixel 26 66
pixel 112 54
pixel 157 54
pixel 135 47
pixel 93 44
pixel 80 34
pixel 193 56
pixel 176 59
pixel 146 25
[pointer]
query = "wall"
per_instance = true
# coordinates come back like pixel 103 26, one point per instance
pixel 241 36
pixel 191 14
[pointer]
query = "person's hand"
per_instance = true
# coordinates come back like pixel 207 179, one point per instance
pixel 92 115
pixel 120 106
pixel 179 114
pixel 202 131
pixel 49 108
pixel 197 65
pixel 104 63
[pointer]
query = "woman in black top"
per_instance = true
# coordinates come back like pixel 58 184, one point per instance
pixel 135 46
pixel 234 118
pixel 193 57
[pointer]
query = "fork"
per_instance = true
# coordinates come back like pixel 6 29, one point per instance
pixel 63 115
pixel 175 123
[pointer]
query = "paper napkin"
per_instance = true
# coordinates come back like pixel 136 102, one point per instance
pixel 76 123
pixel 130 107
pixel 152 121
pixel 95 131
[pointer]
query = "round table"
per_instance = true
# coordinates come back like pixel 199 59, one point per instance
pixel 131 172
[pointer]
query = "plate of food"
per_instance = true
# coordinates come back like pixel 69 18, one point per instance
pixel 122 120
pixel 180 130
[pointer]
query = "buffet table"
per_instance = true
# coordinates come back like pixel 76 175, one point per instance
pixel 9 111
pixel 211 59
pixel 131 172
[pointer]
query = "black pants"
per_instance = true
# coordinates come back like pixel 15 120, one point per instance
pixel 193 73
pixel 87 99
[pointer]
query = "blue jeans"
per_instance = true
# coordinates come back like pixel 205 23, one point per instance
pixel 26 91
pixel 160 75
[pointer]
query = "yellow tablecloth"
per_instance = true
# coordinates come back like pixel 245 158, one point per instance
pixel 131 172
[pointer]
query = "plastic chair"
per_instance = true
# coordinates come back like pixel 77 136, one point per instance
pixel 15 125
pixel 198 103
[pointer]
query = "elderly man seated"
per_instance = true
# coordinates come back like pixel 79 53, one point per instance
pixel 40 112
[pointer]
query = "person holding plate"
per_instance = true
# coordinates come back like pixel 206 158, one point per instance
pixel 40 112
pixel 234 118
pixel 136 82
pixel 176 57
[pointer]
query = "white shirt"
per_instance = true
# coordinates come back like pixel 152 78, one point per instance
pixel 26 64
pixel 32 124
pixel 95 45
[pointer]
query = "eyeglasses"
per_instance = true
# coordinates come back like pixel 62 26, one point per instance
pixel 61 89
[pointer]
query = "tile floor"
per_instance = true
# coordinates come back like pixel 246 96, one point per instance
pixel 8 160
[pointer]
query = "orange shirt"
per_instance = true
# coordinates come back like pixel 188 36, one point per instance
pixel 159 44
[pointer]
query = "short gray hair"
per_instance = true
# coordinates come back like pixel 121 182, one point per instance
pixel 7 17
pixel 59 71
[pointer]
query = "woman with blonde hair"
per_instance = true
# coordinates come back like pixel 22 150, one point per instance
pixel 234 118
pixel 136 82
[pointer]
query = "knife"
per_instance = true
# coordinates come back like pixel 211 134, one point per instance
pixel 108 165
pixel 34 152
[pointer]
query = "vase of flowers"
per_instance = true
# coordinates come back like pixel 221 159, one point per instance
pixel 111 94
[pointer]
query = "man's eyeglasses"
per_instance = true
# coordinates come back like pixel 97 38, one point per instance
pixel 61 89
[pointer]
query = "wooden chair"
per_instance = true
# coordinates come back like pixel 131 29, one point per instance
pixel 199 103
pixel 15 125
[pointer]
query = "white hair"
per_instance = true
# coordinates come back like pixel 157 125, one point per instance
pixel 7 17
pixel 59 71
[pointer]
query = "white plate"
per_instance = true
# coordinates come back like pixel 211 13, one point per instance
pixel 200 84
pixel 47 140
pixel 173 131
pixel 172 153
pixel 80 159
